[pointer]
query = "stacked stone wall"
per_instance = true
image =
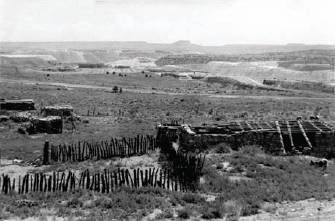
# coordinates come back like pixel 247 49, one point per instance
pixel 324 144
pixel 50 125
pixel 272 140
pixel 22 105
pixel 65 111
pixel 269 140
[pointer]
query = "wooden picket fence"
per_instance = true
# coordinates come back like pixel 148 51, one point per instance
pixel 100 113
pixel 105 182
pixel 115 147
pixel 190 164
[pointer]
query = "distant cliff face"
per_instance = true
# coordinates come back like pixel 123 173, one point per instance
pixel 308 56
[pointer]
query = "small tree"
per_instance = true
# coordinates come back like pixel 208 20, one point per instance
pixel 120 90
pixel 115 89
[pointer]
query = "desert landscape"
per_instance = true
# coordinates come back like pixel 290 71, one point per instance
pixel 134 130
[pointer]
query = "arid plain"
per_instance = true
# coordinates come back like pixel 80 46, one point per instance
pixel 127 89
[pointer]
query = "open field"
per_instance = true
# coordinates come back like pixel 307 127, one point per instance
pixel 244 184
pixel 145 102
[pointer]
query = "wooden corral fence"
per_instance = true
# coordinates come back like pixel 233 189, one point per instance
pixel 105 182
pixel 188 168
pixel 115 147
pixel 113 113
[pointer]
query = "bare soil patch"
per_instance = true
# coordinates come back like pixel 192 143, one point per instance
pixel 303 210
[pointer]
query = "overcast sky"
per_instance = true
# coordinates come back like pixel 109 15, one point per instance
pixel 206 22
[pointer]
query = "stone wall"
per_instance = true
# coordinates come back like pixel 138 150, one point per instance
pixel 22 105
pixel 269 140
pixel 60 110
pixel 50 125
pixel 319 139
pixel 324 145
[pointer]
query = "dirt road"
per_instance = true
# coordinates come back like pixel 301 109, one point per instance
pixel 150 91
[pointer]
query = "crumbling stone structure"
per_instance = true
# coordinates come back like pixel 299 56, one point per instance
pixel 278 137
pixel 21 105
pixel 50 125
pixel 21 116
pixel 59 110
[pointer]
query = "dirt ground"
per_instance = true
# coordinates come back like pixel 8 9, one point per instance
pixel 14 170
pixel 304 210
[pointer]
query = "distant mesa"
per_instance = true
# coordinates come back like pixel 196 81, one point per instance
pixel 296 44
pixel 182 42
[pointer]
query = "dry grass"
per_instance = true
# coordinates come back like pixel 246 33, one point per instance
pixel 273 179
pixel 142 112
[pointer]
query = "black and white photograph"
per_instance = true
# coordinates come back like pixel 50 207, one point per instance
pixel 167 110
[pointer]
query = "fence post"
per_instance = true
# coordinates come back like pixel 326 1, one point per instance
pixel 19 190
pixel 45 183
pixel 126 177
pixel 41 182
pixel 50 183
pixel 73 182
pixel 5 185
pixel 13 186
pixel 27 183
pixel 160 178
pixel 106 180
pixel 98 183
pixel 103 182
pixel 46 153
pixel 145 183
pixel 88 179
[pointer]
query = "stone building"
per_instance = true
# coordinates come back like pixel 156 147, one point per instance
pixel 20 104
pixel 58 110
pixel 277 137
pixel 49 125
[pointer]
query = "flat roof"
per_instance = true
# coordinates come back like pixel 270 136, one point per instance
pixel 18 101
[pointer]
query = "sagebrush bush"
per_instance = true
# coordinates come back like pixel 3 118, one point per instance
pixel 184 213
pixel 193 198
pixel 272 179
pixel 223 148
pixel 211 213
pixel 176 198
pixel 252 150
pixel 121 204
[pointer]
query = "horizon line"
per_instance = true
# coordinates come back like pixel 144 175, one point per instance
pixel 195 44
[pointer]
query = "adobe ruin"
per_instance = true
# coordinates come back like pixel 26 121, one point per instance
pixel 50 124
pixel 57 110
pixel 312 137
pixel 20 104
